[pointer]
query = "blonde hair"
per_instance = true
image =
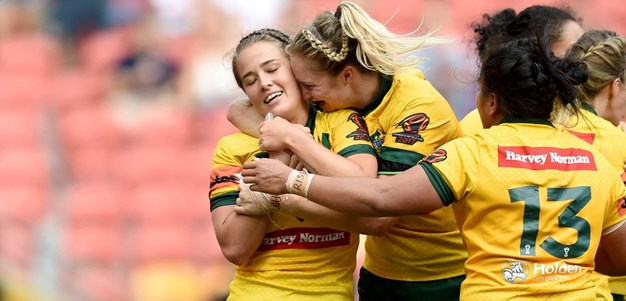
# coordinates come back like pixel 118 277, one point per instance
pixel 605 55
pixel 350 35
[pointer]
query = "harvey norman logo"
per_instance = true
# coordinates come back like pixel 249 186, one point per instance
pixel 542 158
pixel 304 238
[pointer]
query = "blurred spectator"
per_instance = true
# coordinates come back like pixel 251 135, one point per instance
pixel 123 12
pixel 72 20
pixel 174 18
pixel 144 78
pixel 253 14
pixel 18 17
pixel 145 70
pixel 206 79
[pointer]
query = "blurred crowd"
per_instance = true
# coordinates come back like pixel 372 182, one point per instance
pixel 109 113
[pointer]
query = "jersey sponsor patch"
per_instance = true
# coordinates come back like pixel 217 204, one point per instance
pixel 621 207
pixel 304 238
pixel 437 156
pixel 377 141
pixel 515 271
pixel 411 126
pixel 224 176
pixel 543 158
pixel 518 271
pixel 587 137
pixel 361 133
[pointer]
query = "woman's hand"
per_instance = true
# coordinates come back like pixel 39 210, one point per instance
pixel 266 175
pixel 278 133
pixel 254 202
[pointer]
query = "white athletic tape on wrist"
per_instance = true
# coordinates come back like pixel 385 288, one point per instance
pixel 298 182
pixel 308 185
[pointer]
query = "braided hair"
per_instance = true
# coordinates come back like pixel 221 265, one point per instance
pixel 528 79
pixel 604 52
pixel 265 34
pixel 351 36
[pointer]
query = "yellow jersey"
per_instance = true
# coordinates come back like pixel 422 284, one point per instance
pixel 408 121
pixel 611 142
pixel 297 260
pixel 532 202
pixel 471 123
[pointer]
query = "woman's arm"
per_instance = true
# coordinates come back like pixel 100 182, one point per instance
pixel 231 227
pixel 250 203
pixel 280 134
pixel 244 117
pixel 307 210
pixel 409 192
pixel 611 255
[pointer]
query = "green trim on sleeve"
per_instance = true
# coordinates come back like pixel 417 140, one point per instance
pixel 326 140
pixel 442 188
pixel 400 156
pixel 357 149
pixel 226 199
pixel 310 122
pixel 262 155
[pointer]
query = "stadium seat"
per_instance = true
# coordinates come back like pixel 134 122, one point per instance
pixel 101 51
pixel 24 166
pixel 17 242
pixel 206 249
pixel 76 89
pixel 159 205
pixel 19 129
pixel 137 165
pixel 94 283
pixel 88 244
pixel 22 205
pixel 151 243
pixel 161 128
pixel 18 92
pixel 35 55
pixel 93 202
pixel 88 128
pixel 91 163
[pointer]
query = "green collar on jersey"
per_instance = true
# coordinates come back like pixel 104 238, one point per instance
pixel 588 107
pixel 385 86
pixel 509 119
pixel 310 123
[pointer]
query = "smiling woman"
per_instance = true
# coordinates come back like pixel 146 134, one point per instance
pixel 263 72
pixel 279 255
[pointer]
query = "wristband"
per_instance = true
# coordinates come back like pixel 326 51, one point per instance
pixel 299 182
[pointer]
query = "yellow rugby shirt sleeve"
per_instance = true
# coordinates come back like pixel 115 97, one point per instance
pixel 230 154
pixel 421 122
pixel 451 169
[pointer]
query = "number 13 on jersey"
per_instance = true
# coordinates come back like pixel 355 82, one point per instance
pixel 579 197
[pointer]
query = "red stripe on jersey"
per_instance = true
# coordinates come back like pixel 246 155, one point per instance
pixel 304 238
pixel 224 176
pixel 587 137
pixel 543 158
pixel 621 207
